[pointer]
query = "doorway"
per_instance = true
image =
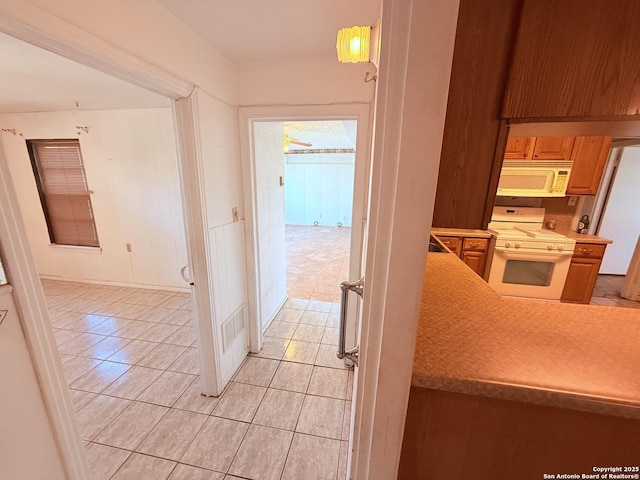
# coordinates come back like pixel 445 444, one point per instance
pixel 618 221
pixel 340 171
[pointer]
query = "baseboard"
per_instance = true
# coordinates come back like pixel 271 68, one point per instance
pixel 116 284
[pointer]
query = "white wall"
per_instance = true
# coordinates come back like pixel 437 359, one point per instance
pixel 310 82
pixel 621 218
pixel 222 186
pixel 319 188
pixel 28 449
pixel 131 166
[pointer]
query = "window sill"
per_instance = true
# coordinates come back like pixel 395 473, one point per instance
pixel 77 249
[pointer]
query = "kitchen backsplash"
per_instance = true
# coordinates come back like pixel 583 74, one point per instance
pixel 558 210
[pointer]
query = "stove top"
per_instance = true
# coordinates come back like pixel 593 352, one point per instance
pixel 522 227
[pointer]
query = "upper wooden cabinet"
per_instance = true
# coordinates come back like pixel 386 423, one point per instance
pixel 539 148
pixel 589 158
pixel 519 148
pixel 575 59
pixel 553 148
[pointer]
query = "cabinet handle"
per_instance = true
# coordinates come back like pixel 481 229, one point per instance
pixel 474 244
pixel 536 155
pixel 586 251
pixel 447 242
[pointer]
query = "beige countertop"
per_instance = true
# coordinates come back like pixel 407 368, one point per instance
pixel 584 238
pixel 471 340
pixel 460 232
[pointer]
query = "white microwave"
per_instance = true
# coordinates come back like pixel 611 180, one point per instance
pixel 539 178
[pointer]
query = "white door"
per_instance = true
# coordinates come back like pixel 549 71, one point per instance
pixel 621 217
pixel 270 235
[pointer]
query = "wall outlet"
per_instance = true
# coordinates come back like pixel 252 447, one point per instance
pixel 235 214
pixel 128 245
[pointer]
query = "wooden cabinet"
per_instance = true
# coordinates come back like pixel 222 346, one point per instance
pixel 589 157
pixel 452 243
pixel 539 148
pixel 553 148
pixel 519 148
pixel 457 436
pixel 474 254
pixel 472 250
pixel 583 273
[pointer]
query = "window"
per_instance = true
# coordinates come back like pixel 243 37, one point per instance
pixel 62 184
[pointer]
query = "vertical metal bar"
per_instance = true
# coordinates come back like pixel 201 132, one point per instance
pixel 346 287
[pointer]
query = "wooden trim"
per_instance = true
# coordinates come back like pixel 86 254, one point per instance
pixel 33 25
pixel 194 212
pixel 492 189
pixel 34 318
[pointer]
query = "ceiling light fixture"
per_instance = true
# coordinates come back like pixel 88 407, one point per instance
pixel 353 44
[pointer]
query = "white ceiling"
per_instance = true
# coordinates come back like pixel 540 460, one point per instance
pixel 35 80
pixel 272 30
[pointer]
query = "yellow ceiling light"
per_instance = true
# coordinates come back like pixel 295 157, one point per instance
pixel 353 44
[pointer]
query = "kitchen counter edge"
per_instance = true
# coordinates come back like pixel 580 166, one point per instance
pixel 446 359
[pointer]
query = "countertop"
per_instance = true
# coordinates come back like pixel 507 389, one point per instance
pixel 584 238
pixel 460 232
pixel 472 340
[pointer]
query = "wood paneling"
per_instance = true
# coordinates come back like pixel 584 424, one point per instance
pixel 484 40
pixel 589 159
pixel 575 59
pixel 453 436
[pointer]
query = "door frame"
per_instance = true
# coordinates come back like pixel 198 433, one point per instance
pixel 247 117
pixel 33 25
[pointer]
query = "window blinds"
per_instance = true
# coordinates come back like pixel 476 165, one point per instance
pixel 64 192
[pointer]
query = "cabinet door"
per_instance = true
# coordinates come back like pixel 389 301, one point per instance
pixel 589 158
pixel 452 243
pixel 581 280
pixel 553 148
pixel 519 148
pixel 475 260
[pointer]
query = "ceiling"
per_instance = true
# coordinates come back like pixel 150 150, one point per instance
pixel 35 80
pixel 281 30
pixel 331 134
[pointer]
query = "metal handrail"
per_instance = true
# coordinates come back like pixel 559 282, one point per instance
pixel 346 287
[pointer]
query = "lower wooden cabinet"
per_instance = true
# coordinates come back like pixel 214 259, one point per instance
pixel 452 243
pixel 472 251
pixel 456 436
pixel 583 273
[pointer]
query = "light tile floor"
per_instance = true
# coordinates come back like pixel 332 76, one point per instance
pixel 317 261
pixel 607 292
pixel 130 360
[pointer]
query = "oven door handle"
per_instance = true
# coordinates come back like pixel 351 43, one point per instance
pixel 542 253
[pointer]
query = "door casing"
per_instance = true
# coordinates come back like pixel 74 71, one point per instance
pixel 248 116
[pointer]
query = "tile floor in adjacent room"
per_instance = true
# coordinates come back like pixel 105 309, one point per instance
pixel 130 360
pixel 607 292
pixel 317 261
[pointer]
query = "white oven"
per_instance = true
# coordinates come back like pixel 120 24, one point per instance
pixel 528 261
pixel 532 273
